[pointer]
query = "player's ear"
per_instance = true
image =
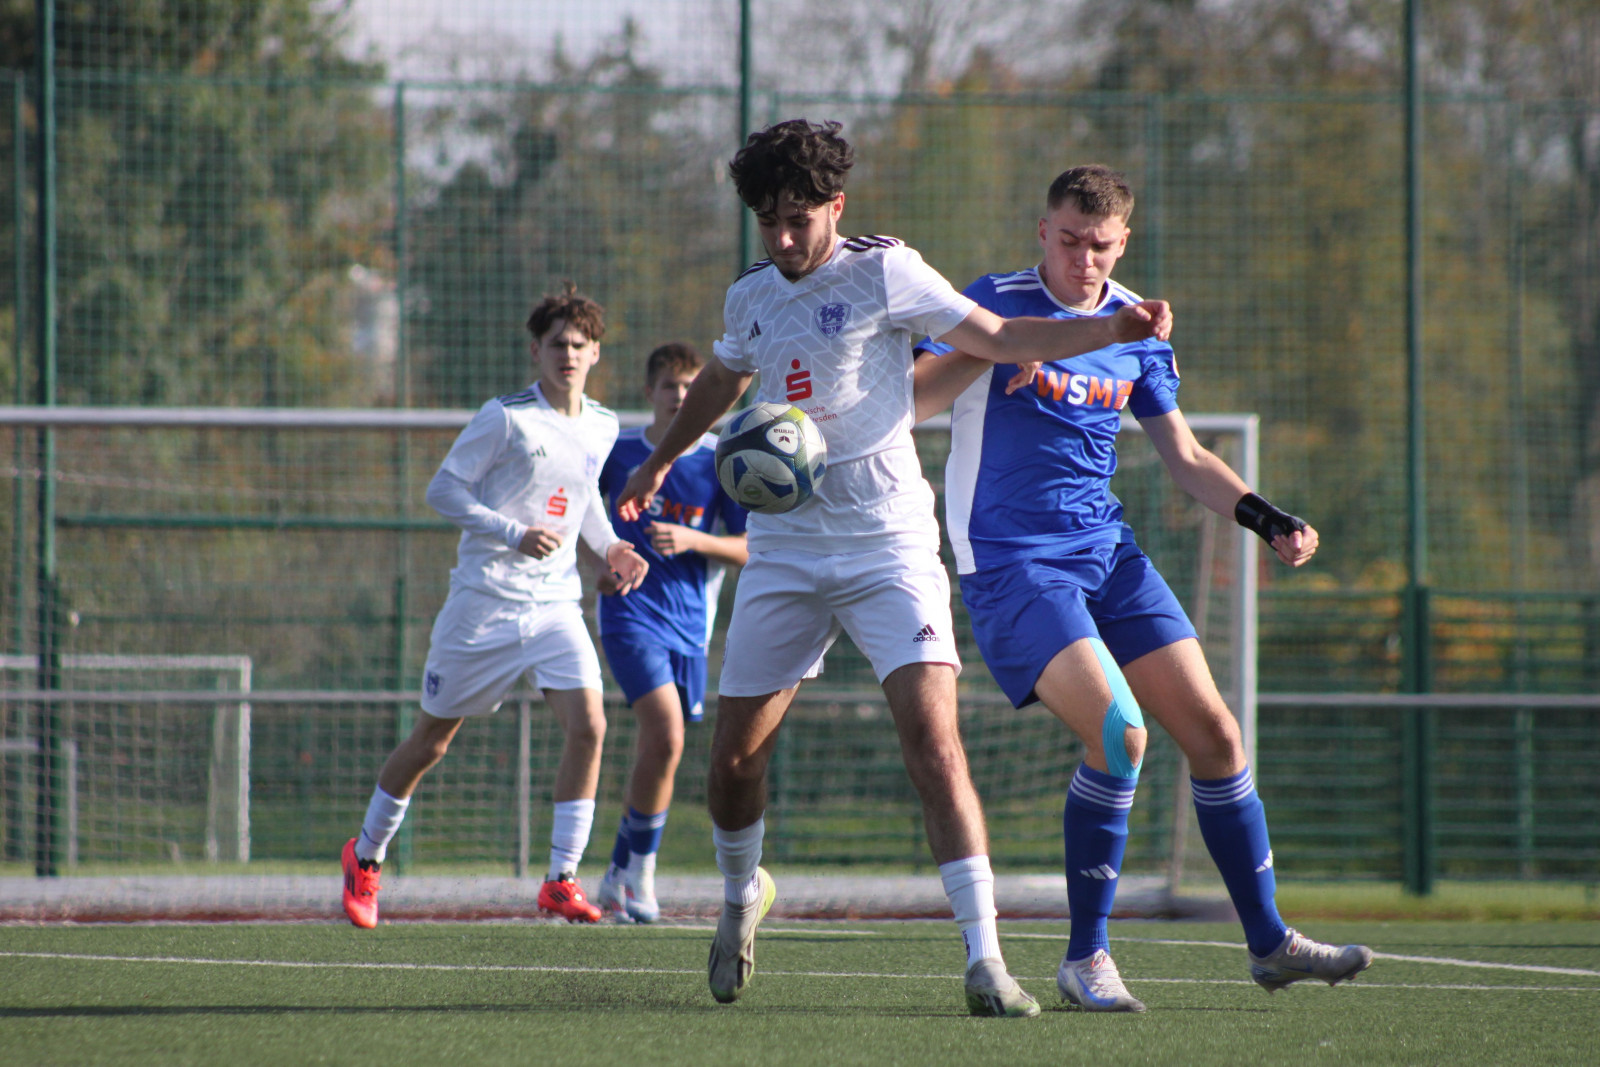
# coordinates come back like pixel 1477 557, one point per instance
pixel 1044 228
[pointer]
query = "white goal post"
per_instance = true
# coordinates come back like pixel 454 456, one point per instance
pixel 228 775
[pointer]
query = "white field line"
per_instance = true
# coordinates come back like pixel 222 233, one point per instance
pixel 492 968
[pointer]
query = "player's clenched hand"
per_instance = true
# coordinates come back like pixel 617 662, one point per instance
pixel 628 568
pixel 1136 322
pixel 1297 546
pixel 539 542
pixel 669 538
pixel 605 583
pixel 640 489
pixel 1024 375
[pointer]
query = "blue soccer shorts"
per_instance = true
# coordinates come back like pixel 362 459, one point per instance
pixel 1024 614
pixel 641 663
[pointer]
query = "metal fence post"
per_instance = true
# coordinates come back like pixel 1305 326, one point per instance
pixel 524 787
pixel 1417 746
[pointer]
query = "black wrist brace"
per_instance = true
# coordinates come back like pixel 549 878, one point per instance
pixel 1256 513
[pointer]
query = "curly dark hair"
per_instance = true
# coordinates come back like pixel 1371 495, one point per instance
pixel 571 307
pixel 807 160
pixel 1094 189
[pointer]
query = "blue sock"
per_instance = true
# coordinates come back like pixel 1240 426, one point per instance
pixel 1094 826
pixel 619 849
pixel 644 831
pixel 1234 825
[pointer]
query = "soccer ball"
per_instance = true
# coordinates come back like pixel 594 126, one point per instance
pixel 771 458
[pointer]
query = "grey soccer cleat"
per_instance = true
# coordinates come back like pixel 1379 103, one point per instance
pixel 612 897
pixel 993 992
pixel 733 947
pixel 1300 957
pixel 1093 984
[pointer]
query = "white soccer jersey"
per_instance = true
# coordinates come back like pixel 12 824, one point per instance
pixel 521 463
pixel 837 343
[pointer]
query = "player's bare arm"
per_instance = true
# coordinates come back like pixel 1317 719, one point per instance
pixel 988 336
pixel 1203 475
pixel 714 391
pixel 940 379
pixel 669 539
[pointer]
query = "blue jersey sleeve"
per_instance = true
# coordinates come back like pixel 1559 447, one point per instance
pixel 733 517
pixel 1156 391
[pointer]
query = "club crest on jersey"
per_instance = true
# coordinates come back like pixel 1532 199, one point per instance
pixel 831 318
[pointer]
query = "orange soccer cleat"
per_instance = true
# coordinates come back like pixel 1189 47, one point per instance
pixel 360 887
pixel 564 897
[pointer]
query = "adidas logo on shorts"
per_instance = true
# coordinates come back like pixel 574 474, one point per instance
pixel 926 634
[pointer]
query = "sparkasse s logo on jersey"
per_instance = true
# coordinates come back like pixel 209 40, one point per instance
pixel 1083 390
pixel 557 504
pixel 797 383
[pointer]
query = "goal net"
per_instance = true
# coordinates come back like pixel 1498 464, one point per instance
pixel 215 623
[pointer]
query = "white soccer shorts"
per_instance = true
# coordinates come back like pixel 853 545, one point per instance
pixel 482 644
pixel 790 606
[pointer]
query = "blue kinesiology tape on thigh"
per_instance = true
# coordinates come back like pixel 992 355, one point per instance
pixel 1123 713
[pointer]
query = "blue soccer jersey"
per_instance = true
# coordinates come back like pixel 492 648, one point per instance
pixel 677 601
pixel 1029 474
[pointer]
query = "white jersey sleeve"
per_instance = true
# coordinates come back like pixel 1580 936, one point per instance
pixel 452 492
pixel 919 298
pixel 596 529
pixel 732 350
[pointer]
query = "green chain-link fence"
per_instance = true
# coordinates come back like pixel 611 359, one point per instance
pixel 300 205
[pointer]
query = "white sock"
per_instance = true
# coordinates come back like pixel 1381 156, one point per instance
pixel 969 886
pixel 738 856
pixel 569 836
pixel 384 815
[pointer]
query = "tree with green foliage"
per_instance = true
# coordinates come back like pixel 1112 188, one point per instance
pixel 221 168
pixel 600 177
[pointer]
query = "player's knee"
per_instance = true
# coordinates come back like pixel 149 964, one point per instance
pixel 587 728
pixel 1122 735
pixel 434 748
pixel 1134 740
pixel 1216 743
pixel 735 770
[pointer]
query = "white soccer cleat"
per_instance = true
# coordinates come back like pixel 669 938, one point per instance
pixel 1300 957
pixel 994 993
pixel 733 947
pixel 1093 984
pixel 611 897
pixel 640 895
